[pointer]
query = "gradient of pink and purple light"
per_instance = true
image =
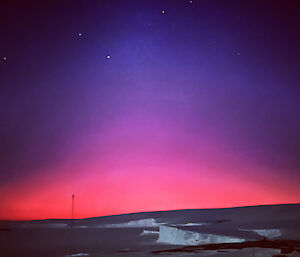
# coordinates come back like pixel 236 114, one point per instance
pixel 197 107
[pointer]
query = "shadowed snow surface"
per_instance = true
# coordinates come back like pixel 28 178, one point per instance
pixel 136 235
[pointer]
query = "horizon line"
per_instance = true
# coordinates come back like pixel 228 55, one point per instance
pixel 129 213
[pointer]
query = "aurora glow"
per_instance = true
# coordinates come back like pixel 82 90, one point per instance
pixel 132 109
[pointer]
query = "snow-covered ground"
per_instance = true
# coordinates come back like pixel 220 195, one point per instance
pixel 141 234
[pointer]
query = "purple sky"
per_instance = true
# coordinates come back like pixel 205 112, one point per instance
pixel 205 90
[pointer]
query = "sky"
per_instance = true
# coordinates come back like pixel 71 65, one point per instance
pixel 147 105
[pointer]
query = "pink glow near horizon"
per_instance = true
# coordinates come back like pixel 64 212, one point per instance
pixel 133 183
pixel 195 108
pixel 142 170
pixel 148 165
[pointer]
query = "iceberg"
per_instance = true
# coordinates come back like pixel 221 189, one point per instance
pixel 268 233
pixel 175 236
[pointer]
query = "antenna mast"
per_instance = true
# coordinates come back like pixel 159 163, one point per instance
pixel 71 227
pixel 72 207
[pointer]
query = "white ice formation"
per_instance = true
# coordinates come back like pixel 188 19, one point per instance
pixel 175 236
pixel 149 232
pixel 191 224
pixel 77 255
pixel 268 233
pixel 143 223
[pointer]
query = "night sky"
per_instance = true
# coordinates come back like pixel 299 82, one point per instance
pixel 147 105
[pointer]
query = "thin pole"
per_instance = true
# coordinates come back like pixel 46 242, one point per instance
pixel 72 209
pixel 71 227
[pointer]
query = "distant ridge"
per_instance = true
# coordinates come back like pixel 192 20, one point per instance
pixel 161 211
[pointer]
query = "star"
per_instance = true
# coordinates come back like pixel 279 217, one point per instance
pixel 238 53
pixel 108 56
pixel 163 11
pixel 191 1
pixel 4 58
pixel 79 34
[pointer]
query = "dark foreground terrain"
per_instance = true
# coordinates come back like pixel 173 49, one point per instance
pixel 260 231
pixel 285 247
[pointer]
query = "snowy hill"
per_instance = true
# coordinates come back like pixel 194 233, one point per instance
pixel 141 234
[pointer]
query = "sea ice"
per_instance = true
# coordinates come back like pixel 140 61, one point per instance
pixel 149 232
pixel 191 224
pixel 175 236
pixel 77 255
pixel 142 223
pixel 268 233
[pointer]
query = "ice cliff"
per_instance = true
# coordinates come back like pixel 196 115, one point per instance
pixel 175 236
